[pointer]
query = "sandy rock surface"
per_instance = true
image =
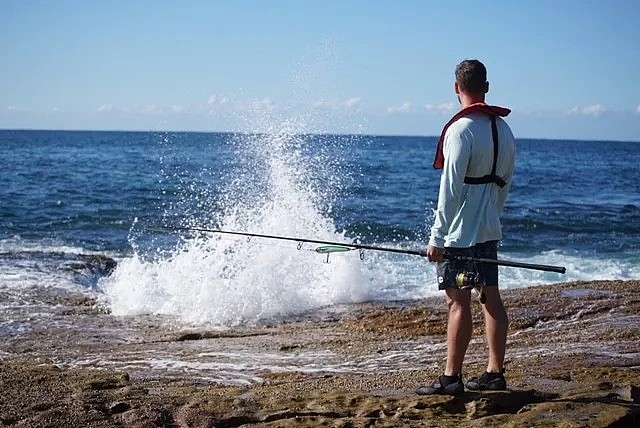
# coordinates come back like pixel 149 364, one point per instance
pixel 573 360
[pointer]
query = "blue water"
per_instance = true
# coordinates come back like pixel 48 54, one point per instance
pixel 573 203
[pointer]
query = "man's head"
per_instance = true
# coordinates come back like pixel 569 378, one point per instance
pixel 471 77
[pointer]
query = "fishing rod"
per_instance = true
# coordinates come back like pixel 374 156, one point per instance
pixel 548 268
pixel 328 247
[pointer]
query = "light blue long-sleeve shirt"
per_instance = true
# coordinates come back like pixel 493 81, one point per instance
pixel 469 214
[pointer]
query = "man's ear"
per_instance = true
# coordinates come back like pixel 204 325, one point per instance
pixel 456 89
pixel 486 87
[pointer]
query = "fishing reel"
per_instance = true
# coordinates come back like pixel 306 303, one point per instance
pixel 469 280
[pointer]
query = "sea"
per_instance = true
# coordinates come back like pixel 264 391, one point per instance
pixel 111 216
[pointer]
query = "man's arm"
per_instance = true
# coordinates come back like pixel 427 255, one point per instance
pixel 508 178
pixel 457 153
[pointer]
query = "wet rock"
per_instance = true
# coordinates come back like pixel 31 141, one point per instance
pixel 189 336
pixel 569 414
pixel 285 348
pixel 96 264
pixel 629 393
pixel 120 407
pixel 102 380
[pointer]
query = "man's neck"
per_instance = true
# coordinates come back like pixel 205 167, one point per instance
pixel 468 99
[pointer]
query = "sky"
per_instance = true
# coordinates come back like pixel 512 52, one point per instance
pixel 568 69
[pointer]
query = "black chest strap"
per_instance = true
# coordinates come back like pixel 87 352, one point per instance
pixel 490 178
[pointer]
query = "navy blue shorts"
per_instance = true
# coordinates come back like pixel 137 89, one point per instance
pixel 483 273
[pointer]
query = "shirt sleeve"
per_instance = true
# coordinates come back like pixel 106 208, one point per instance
pixel 508 178
pixel 457 153
pixel 504 190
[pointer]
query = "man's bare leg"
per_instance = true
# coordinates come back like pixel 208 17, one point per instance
pixel 496 324
pixel 459 329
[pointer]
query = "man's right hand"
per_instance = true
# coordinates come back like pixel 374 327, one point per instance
pixel 435 254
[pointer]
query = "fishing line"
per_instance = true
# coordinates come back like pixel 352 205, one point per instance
pixel 323 249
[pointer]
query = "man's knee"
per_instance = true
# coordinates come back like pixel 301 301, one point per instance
pixel 458 301
pixel 494 306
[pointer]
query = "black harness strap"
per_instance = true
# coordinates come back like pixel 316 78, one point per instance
pixel 490 178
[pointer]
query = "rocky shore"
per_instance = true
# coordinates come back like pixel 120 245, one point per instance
pixel 573 360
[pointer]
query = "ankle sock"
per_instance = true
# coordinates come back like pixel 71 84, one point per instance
pixel 448 380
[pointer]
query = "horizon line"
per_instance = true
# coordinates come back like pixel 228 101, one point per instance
pixel 298 133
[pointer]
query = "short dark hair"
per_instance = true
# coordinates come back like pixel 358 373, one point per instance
pixel 471 76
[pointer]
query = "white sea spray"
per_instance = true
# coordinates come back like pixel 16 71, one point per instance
pixel 226 280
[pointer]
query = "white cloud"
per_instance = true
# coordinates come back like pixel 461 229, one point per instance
pixel 440 108
pixel 404 108
pixel 593 111
pixel 152 109
pixel 106 108
pixel 348 104
pixel 178 108
pixel 638 109
pixel 321 104
pixel 264 103
pixel 352 102
pixel 16 109
pixel 255 105
pixel 217 99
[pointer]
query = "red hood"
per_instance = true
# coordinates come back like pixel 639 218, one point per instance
pixel 438 163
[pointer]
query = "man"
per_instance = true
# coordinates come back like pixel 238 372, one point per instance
pixel 476 153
